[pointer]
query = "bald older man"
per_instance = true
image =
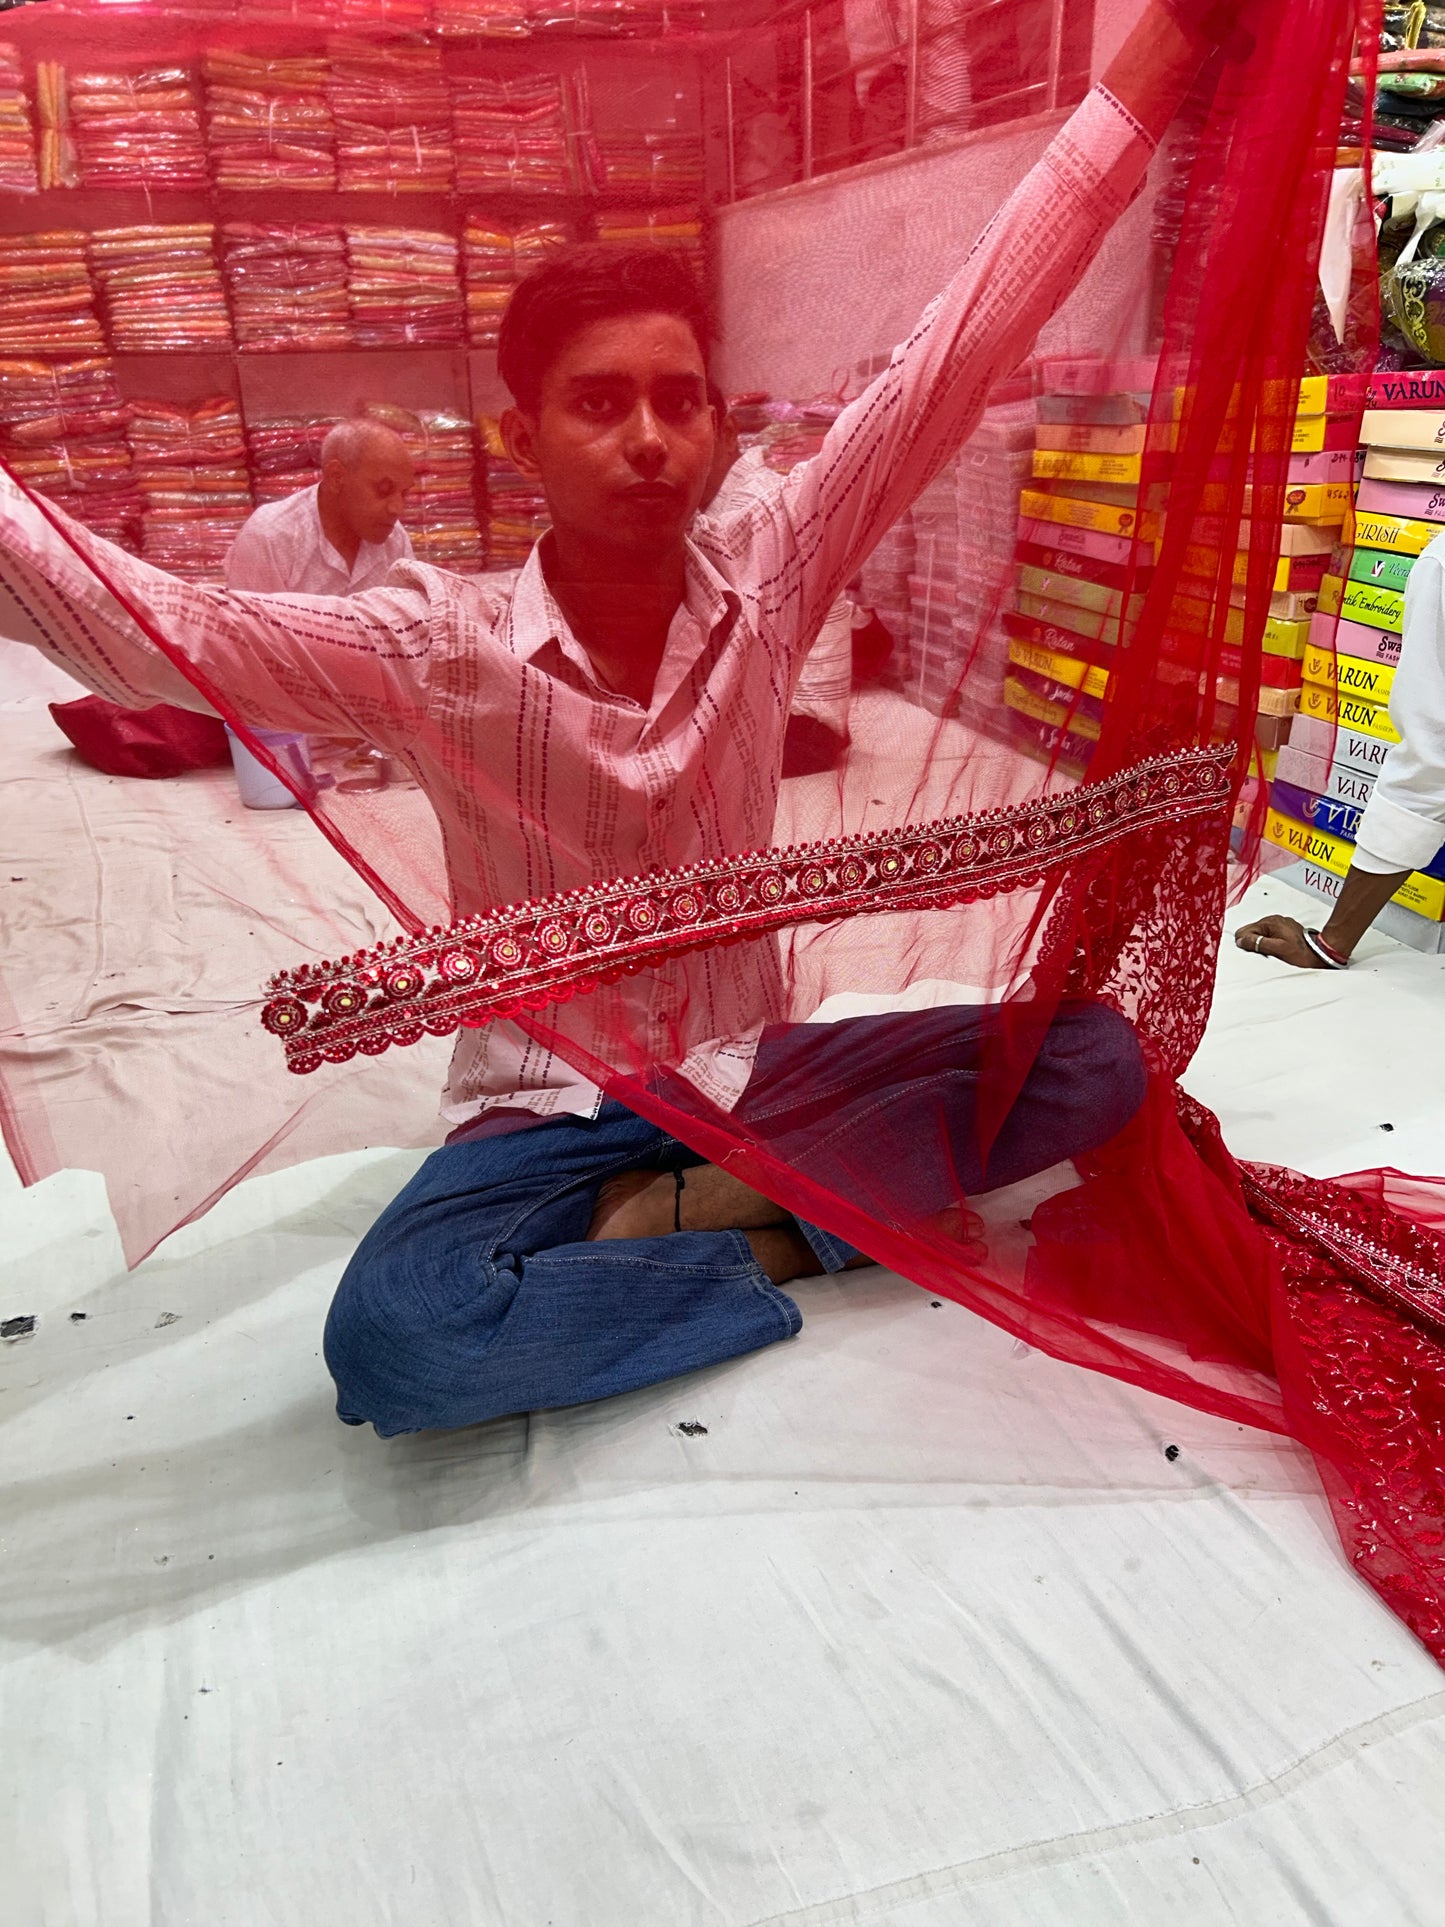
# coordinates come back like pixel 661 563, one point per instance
pixel 341 536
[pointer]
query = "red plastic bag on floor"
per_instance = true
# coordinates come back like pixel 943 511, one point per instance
pixel 163 741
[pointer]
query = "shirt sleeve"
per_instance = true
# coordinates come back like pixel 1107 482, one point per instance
pixel 357 665
pixel 888 444
pixel 1403 824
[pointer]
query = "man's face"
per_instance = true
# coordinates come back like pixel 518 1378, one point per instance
pixel 622 440
pixel 372 495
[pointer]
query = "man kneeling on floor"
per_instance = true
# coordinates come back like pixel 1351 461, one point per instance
pixel 639 670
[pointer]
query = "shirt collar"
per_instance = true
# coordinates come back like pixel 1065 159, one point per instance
pixel 535 617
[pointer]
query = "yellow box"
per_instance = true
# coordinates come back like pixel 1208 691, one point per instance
pixel 1422 894
pixel 1370 681
pixel 1054 464
pixel 1394 532
pixel 1314 394
pixel 1281 637
pixel 1088 677
pixel 1079 514
pixel 1332 587
pixel 1347 712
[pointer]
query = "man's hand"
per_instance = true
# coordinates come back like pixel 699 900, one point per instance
pixel 1279 937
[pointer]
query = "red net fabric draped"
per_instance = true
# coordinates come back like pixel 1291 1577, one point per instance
pixel 1060 493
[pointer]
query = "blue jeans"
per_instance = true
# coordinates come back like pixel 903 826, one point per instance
pixel 476 1293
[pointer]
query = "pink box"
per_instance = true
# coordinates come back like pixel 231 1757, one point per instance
pixel 1415 501
pixel 1060 535
pixel 1356 639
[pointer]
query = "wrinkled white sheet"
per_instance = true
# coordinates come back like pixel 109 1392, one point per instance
pixel 924 1628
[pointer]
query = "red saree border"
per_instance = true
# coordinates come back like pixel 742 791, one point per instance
pixel 525 956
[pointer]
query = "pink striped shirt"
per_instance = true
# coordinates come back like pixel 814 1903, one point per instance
pixel 543 779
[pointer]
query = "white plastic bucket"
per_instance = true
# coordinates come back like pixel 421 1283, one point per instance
pixel 260 790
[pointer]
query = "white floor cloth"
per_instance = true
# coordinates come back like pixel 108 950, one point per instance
pixel 923 1628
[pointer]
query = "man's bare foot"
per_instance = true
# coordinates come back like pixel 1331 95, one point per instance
pixel 645 1204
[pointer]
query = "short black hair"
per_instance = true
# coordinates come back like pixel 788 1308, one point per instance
pixel 583 284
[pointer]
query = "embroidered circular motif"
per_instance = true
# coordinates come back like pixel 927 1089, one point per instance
pixel 928 858
pixel 851 873
pixel 1037 831
pixel 345 1000
pixel 404 982
pixel 641 914
pixel 890 864
pixel 728 898
pixel 597 927
pixel 965 851
pixel 506 953
pixel 686 906
pixel 460 966
pixel 770 887
pixel 813 881
pixel 1000 843
pixel 553 938
pixel 284 1015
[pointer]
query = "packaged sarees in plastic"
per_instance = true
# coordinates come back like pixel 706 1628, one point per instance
pixel 1031 821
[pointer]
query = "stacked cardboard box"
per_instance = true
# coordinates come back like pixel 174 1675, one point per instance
pixel 1343 731
pixel 1089 525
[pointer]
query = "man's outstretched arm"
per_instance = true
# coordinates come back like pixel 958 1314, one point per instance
pixel 357 666
pixel 887 445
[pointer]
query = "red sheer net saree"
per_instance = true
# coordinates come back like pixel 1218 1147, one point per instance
pixel 1063 497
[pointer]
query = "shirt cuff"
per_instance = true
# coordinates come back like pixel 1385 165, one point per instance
pixel 1391 838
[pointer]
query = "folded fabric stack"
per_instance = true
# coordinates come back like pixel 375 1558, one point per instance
pixel 49 301
pixel 17 135
pixel 516 508
pixel 404 289
pixel 139 129
pixel 514 131
pixel 162 287
pixel 791 432
pixel 494 260
pixel 441 511
pixel 517 19
pixel 288 285
pixel 369 16
pixel 269 122
pixel 661 166
pixel 393 117
pixel 484 19
pixel 677 228
pixel 62 432
pixel 286 454
pixel 190 468
pixel 58 163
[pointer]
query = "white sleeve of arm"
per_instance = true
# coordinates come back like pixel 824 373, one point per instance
pixel 1403 824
